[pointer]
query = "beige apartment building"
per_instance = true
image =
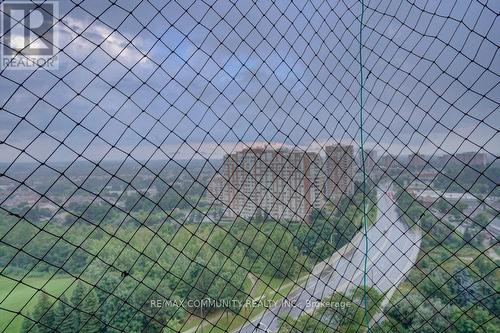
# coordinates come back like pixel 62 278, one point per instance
pixel 283 183
pixel 340 169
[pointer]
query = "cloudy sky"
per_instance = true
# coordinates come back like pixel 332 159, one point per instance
pixel 189 79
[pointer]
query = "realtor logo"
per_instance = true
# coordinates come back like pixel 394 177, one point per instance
pixel 28 36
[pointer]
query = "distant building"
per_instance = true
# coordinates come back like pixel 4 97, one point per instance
pixel 417 162
pixel 472 159
pixel 442 161
pixel 283 183
pixel 278 182
pixel 216 189
pixel 387 161
pixel 340 169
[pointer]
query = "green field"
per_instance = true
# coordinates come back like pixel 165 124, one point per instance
pixel 22 297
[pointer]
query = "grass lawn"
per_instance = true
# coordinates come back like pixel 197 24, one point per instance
pixel 16 297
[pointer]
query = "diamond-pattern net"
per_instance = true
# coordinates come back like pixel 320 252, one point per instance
pixel 216 166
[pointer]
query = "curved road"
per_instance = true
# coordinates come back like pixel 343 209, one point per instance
pixel 392 251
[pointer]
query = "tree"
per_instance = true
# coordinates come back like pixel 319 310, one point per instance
pixel 76 300
pixel 431 316
pixel 404 313
pixel 62 316
pixel 482 220
pixel 43 315
pixel 458 211
pixel 201 278
pixel 120 316
pixel 27 325
pixel 462 287
pixel 259 216
pixel 281 255
pixel 88 319
pixel 473 320
pixel 443 206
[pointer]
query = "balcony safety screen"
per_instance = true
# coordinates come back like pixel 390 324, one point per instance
pixel 249 166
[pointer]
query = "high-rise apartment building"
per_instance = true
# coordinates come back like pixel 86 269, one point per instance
pixel 284 183
pixel 340 169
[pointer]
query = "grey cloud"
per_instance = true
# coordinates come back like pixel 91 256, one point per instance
pixel 268 72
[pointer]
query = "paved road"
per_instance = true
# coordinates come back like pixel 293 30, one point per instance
pixel 494 227
pixel 392 251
